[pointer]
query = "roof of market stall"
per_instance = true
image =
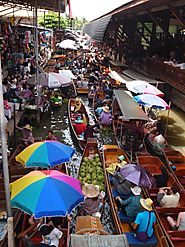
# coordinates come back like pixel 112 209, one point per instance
pixel 129 108
pixel 54 5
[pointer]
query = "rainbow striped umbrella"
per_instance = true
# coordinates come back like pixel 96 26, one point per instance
pixel 44 154
pixel 46 193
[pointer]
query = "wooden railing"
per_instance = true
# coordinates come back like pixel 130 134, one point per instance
pixel 168 73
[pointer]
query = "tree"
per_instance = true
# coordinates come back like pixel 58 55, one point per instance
pixel 51 21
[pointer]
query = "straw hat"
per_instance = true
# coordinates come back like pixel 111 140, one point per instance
pixel 136 190
pixel 91 190
pixel 77 101
pixel 105 109
pixel 28 127
pixel 146 203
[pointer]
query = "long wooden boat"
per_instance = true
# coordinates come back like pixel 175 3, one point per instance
pixel 91 165
pixel 80 140
pixel 35 236
pixel 153 166
pixel 110 155
pixel 128 118
pixel 174 157
pixel 176 237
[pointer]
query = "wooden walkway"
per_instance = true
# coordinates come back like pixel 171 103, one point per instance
pixel 136 76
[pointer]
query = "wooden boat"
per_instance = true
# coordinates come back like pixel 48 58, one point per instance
pixel 128 118
pixel 81 90
pixel 35 236
pixel 110 154
pixel 176 237
pixel 153 166
pixel 174 156
pixel 92 152
pixel 80 140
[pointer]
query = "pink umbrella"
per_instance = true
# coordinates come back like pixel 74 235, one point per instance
pixel 143 87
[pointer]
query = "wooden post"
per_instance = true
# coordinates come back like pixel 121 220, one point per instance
pixel 167 120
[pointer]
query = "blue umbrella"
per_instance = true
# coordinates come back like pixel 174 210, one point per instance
pixel 44 154
pixel 46 193
pixel 151 101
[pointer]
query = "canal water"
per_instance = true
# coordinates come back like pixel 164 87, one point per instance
pixel 58 122
pixel 174 126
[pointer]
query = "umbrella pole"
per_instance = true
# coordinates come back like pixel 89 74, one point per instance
pixel 167 120
pixel 5 164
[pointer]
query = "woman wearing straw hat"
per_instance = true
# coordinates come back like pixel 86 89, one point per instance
pixel 93 200
pixel 145 220
pixel 132 204
pixel 106 116
pixel 27 134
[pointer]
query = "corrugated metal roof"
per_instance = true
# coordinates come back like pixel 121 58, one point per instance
pixel 129 108
pixel 96 29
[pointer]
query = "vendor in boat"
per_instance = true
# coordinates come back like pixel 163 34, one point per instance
pixel 50 235
pixel 27 134
pixel 132 205
pixel 93 200
pixel 168 197
pixel 51 136
pixel 78 106
pixel 143 225
pixel 55 98
pixel 106 116
pixel 90 130
pixel 79 126
pixel 178 225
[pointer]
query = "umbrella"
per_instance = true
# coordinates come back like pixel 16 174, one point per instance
pixel 51 80
pixel 44 154
pixel 143 87
pixel 46 193
pixel 67 44
pixel 137 175
pixel 151 101
pixel 66 73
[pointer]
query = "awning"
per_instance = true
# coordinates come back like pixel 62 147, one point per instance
pixel 114 75
pixel 96 29
pixel 41 4
pixel 129 108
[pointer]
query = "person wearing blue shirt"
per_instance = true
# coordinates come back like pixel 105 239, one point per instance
pixel 132 204
pixel 145 221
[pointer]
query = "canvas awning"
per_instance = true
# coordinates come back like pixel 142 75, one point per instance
pixel 41 4
pixel 114 75
pixel 129 108
pixel 96 29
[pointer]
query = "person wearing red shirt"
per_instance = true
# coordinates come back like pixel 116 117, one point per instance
pixel 79 126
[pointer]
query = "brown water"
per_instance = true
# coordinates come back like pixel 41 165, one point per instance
pixel 175 128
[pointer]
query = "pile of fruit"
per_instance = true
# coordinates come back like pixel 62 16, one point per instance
pixel 91 172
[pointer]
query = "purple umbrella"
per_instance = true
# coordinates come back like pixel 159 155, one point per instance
pixel 137 175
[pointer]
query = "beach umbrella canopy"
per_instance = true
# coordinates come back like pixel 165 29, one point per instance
pixel 67 74
pixel 143 87
pixel 67 44
pixel 51 80
pixel 151 101
pixel 137 175
pixel 46 193
pixel 45 154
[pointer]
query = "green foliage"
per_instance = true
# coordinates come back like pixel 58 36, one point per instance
pixel 51 21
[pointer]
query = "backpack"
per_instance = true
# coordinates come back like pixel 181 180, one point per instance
pixel 121 184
